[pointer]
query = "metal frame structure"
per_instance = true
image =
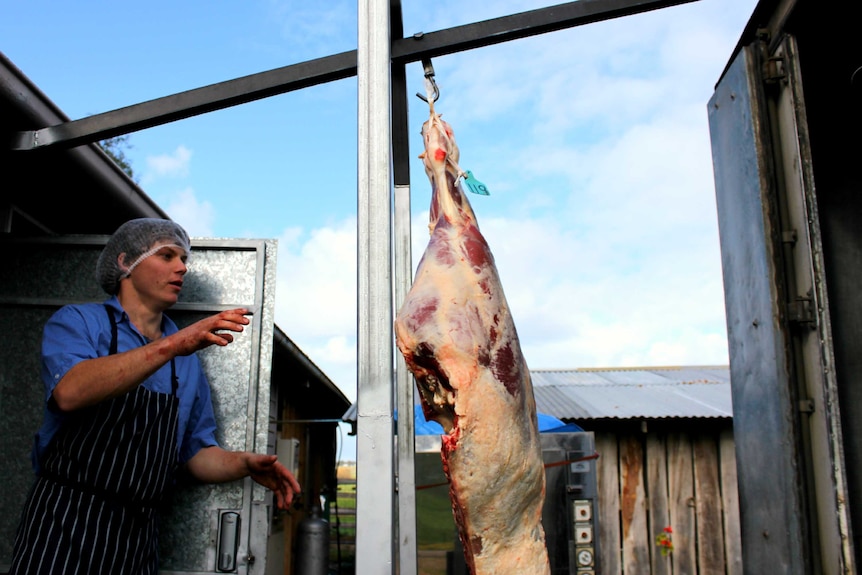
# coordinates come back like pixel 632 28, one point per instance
pixel 379 63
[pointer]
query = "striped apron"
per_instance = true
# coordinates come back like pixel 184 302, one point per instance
pixel 93 508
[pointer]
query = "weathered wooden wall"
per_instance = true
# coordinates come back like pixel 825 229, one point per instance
pixel 682 479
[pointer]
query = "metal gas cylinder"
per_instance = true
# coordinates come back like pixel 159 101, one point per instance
pixel 312 544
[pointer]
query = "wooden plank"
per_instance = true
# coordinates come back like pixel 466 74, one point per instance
pixel 633 514
pixel 608 478
pixel 659 511
pixel 682 505
pixel 710 548
pixel 730 503
pixel 290 524
pixel 291 520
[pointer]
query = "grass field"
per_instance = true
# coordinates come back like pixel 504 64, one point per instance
pixel 435 527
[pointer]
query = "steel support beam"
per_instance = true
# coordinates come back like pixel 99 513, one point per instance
pixel 327 69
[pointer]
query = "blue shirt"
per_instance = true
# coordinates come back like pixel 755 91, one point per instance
pixel 83 331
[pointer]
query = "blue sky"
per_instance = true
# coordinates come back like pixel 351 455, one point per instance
pixel 593 142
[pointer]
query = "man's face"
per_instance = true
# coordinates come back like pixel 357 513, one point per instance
pixel 159 277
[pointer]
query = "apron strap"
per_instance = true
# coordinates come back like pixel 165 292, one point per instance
pixel 113 330
pixel 175 383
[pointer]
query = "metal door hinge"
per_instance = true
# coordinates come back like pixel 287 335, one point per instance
pixel 789 237
pixel 800 311
pixel 774 70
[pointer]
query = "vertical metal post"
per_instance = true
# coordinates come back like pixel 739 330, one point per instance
pixel 403 270
pixel 375 375
pixel 407 545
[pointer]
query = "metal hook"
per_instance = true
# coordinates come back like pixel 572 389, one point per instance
pixel 429 75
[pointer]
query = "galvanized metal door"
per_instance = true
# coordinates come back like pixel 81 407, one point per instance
pixel 46 273
pixel 792 486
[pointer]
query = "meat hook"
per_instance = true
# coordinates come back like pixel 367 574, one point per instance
pixel 429 77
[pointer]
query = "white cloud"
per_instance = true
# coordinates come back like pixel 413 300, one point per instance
pixel 174 165
pixel 317 280
pixel 316 297
pixel 196 216
pixel 578 301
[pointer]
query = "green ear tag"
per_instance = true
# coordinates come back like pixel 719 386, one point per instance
pixel 475 185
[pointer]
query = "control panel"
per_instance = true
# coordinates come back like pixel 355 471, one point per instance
pixel 570 513
pixel 580 494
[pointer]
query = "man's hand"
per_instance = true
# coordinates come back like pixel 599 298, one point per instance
pixel 267 471
pixel 214 330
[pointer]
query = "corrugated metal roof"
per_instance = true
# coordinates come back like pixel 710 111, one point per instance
pixel 629 393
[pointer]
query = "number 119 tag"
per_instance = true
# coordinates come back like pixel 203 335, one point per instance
pixel 475 185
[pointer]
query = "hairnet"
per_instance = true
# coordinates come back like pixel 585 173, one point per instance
pixel 136 239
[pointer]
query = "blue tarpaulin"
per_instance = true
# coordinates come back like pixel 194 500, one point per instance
pixel 547 424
